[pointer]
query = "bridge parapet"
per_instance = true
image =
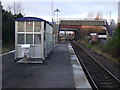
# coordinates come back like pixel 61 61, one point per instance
pixel 83 22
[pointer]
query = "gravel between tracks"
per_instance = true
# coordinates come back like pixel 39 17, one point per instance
pixel 110 65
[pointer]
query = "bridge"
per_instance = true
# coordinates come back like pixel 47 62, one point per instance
pixel 83 22
pixel 74 24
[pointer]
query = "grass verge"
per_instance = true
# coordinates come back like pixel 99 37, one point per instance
pixel 6 48
pixel 98 48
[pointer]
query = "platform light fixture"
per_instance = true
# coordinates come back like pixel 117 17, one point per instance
pixel 56 11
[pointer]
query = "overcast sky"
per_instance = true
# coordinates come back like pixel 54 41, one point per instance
pixel 68 8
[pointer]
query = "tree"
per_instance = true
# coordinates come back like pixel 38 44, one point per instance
pixel 90 15
pixel 18 15
pixel 9 8
pixel 7 27
pixel 15 8
pixel 113 46
pixel 98 16
pixel 8 24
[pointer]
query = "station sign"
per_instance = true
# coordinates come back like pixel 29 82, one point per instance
pixel 102 36
pixel 93 34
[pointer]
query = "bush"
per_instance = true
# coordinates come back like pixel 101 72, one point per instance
pixel 8 27
pixel 113 46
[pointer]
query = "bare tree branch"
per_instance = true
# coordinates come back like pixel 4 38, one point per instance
pixel 9 8
pixel 98 16
pixel 15 8
pixel 90 15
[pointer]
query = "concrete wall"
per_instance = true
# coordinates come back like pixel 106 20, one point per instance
pixel 119 12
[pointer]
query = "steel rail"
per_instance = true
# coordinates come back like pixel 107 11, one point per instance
pixel 96 62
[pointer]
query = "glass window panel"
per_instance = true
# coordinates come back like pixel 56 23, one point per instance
pixel 37 38
pixel 37 26
pixel 29 38
pixel 29 26
pixel 21 38
pixel 21 26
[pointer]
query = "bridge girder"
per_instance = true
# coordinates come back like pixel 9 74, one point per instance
pixel 83 22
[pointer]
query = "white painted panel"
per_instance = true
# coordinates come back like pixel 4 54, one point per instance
pixel 39 52
pixel 102 36
pixel 49 39
pixel 93 33
pixel 32 52
pixel 19 52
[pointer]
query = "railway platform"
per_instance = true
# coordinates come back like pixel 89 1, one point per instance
pixel 61 69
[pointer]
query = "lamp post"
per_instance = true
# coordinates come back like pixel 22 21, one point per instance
pixel 52 11
pixel 56 11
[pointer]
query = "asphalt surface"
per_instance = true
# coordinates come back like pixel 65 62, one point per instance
pixel 55 72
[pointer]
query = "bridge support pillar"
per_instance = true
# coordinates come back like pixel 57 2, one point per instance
pixel 65 35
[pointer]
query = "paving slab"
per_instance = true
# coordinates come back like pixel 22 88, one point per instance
pixel 59 70
pixel 59 73
pixel 55 72
pixel 80 79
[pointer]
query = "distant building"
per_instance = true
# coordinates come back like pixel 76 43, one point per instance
pixel 119 12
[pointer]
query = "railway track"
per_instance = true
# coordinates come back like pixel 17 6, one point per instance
pixel 98 76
